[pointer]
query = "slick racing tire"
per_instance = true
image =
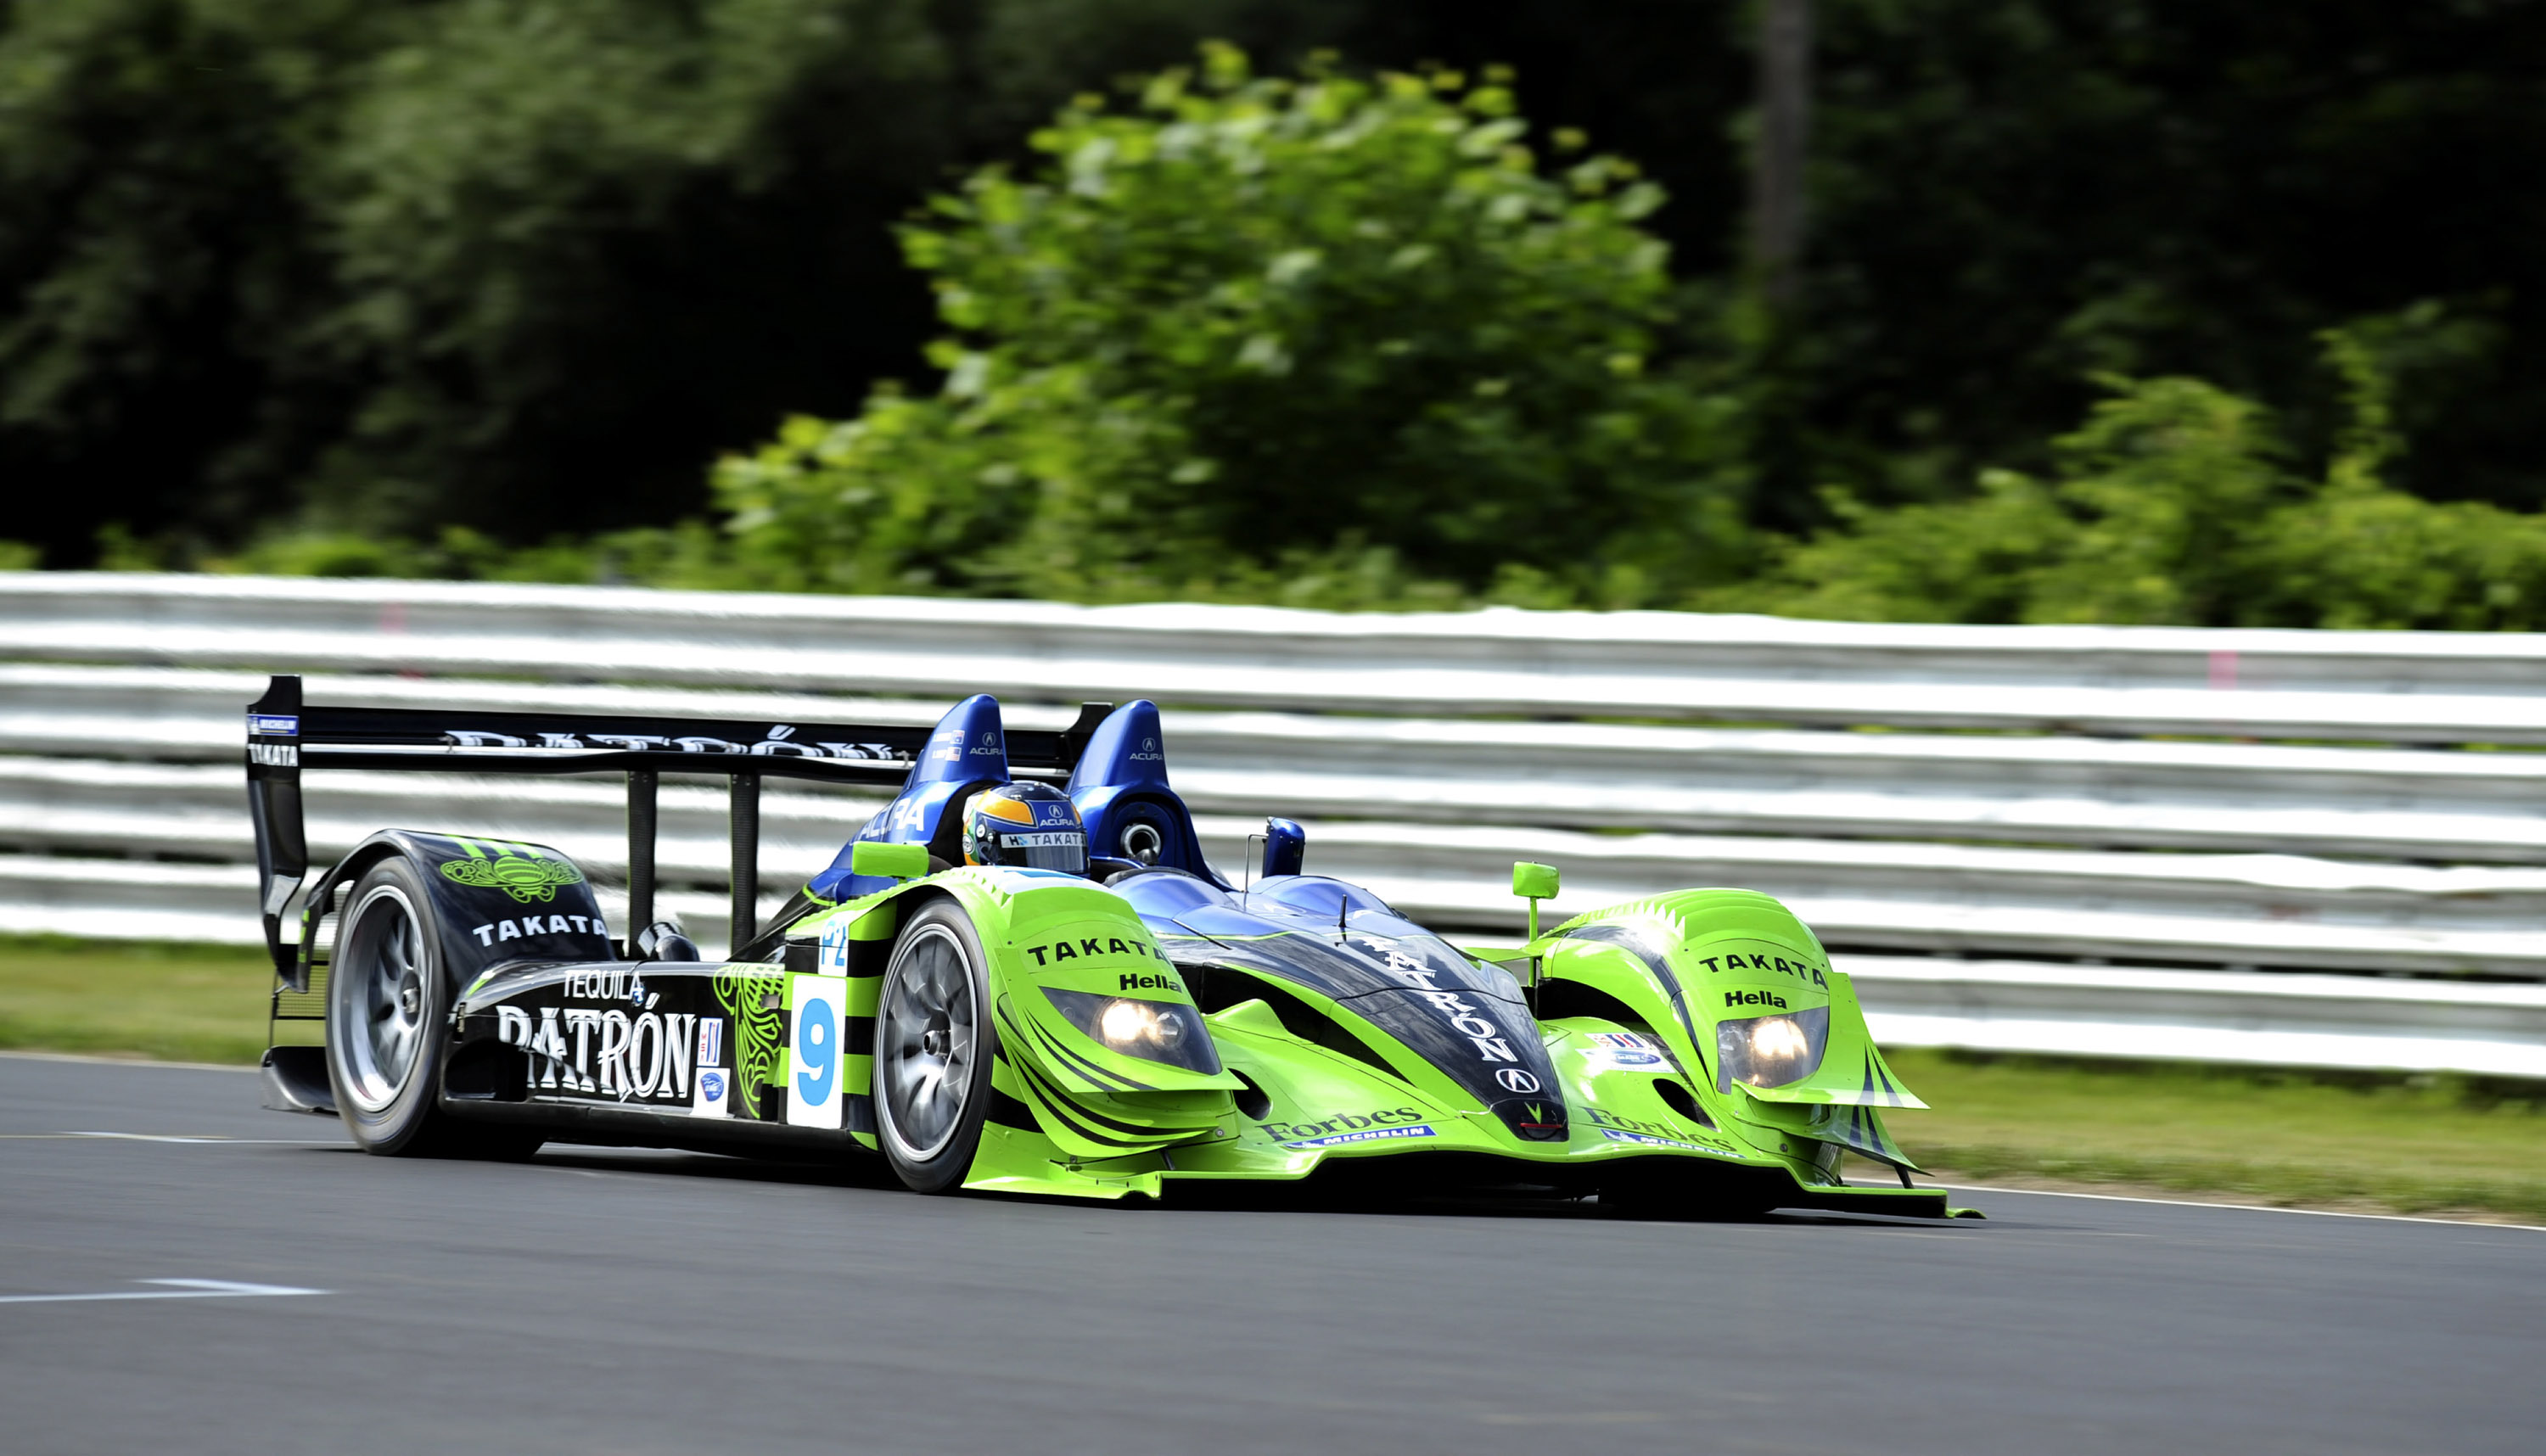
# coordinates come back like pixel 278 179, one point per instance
pixel 389 1025
pixel 933 1045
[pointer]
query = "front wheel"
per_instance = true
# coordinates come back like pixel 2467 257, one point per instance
pixel 932 1053
pixel 389 1025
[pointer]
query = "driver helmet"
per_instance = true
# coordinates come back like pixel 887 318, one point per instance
pixel 1028 825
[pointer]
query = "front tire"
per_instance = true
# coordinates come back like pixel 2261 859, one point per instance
pixel 933 1047
pixel 389 1025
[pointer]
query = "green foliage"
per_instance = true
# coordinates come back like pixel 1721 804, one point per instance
pixel 154 252
pixel 490 198
pixel 1244 330
pixel 18 556
pixel 691 555
pixel 475 288
pixel 2011 197
pixel 387 267
pixel 2174 503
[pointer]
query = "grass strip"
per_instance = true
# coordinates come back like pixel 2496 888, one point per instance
pixel 140 998
pixel 2288 1138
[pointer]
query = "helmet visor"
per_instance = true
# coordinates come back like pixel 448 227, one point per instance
pixel 1064 851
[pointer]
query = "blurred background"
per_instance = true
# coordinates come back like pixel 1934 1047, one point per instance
pixel 1923 310
pixel 1985 345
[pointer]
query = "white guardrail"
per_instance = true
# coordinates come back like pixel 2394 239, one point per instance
pixel 2261 847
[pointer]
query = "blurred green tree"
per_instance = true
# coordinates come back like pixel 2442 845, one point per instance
pixel 524 268
pixel 156 256
pixel 2012 198
pixel 1243 332
pixel 2176 502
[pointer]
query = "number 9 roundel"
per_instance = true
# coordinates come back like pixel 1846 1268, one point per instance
pixel 817 1046
pixel 820 1001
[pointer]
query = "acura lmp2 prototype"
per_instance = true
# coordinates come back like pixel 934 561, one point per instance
pixel 1022 976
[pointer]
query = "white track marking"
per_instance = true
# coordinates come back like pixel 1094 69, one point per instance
pixel 181 1138
pixel 2316 1212
pixel 125 1061
pixel 177 1289
pixel 152 1137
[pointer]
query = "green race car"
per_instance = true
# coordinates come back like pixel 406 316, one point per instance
pixel 1022 976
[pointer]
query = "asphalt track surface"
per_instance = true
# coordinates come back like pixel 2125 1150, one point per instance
pixel 600 1300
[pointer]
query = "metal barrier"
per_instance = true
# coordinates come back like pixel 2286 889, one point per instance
pixel 2116 810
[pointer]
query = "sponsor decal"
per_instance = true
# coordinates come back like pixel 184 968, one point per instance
pixel 1621 1134
pixel 1053 953
pixel 275 755
pixel 1348 1128
pixel 710 1101
pixel 497 930
pixel 1369 1135
pixel 832 958
pixel 1602 1117
pixel 752 1002
pixel 1467 1020
pixel 644 1057
pixel 711 1042
pixel 524 877
pixel 274 725
pixel 1148 752
pixel 1043 838
pixel 1625 1051
pixel 817 1009
pixel 1754 999
pixel 1140 980
pixel 779 741
pixel 1801 969
pixel 1513 1080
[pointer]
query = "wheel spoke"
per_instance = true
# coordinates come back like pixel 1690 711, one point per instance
pixel 383 998
pixel 926 1041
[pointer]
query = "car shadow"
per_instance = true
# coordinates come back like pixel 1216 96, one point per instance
pixel 1202 1200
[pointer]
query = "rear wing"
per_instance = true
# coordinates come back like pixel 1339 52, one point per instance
pixel 286 736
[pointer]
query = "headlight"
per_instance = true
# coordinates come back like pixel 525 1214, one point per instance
pixel 1156 1031
pixel 1770 1050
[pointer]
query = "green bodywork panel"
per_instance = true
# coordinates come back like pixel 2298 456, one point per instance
pixel 1631 998
pixel 1625 1006
pixel 1690 960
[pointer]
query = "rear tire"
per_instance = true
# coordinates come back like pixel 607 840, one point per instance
pixel 389 1026
pixel 933 1047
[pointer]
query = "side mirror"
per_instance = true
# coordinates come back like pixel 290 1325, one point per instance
pixel 1534 883
pixel 889 861
pixel 1286 847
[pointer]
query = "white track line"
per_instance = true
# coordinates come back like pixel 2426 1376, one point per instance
pixel 142 1062
pixel 191 1138
pixel 2316 1213
pixel 179 1289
